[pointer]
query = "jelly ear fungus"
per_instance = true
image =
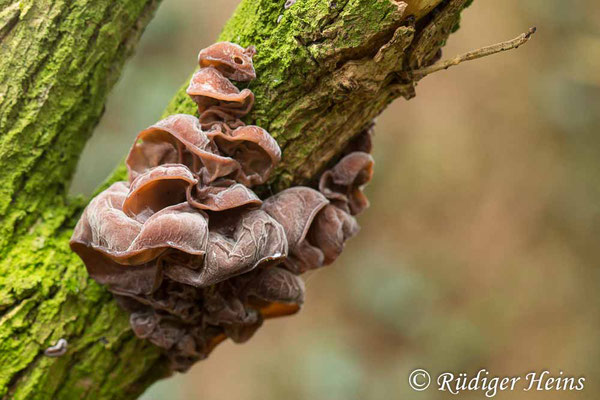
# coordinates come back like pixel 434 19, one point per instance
pixel 187 247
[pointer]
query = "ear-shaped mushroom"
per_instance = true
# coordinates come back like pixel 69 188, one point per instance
pixel 195 345
pixel 239 241
pixel 295 209
pixel 330 230
pixel 225 309
pixel 108 230
pixel 361 142
pixel 181 301
pixel 158 188
pixel 185 248
pixel 222 195
pixel 111 243
pixel 343 183
pixel 185 344
pixel 219 118
pixel 178 139
pixel 232 60
pixel 253 148
pixel 275 291
pixel 210 89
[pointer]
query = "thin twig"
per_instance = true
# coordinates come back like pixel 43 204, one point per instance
pixel 523 38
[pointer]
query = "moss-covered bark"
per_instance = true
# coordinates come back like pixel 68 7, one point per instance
pixel 325 69
pixel 58 61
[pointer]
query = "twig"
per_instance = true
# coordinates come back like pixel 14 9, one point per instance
pixel 420 73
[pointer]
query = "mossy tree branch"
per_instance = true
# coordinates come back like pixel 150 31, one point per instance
pixel 58 61
pixel 325 70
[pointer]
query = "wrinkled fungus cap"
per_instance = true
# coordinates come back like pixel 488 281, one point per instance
pixel 253 148
pixel 157 188
pixel 296 209
pixel 209 87
pixel 232 60
pixel 275 291
pixel 177 139
pixel 118 250
pixel 239 241
pixel 343 183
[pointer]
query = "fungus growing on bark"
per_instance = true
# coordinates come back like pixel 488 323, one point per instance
pixel 186 246
pixel 237 243
pixel 253 148
pixel 343 183
pixel 219 101
pixel 232 60
pixel 119 250
pixel 222 195
pixel 157 188
pixel 246 154
pixel 295 209
pixel 211 91
pixel 274 291
pixel 316 230
pixel 178 139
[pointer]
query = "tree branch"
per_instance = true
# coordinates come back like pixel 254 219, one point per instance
pixel 58 61
pixel 325 70
pixel 420 73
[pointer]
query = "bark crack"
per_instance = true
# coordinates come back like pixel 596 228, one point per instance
pixel 8 20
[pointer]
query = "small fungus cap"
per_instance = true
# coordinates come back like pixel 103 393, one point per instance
pixel 275 291
pixel 232 60
pixel 253 148
pixel 343 184
pixel 296 209
pixel 157 188
pixel 178 139
pixel 208 87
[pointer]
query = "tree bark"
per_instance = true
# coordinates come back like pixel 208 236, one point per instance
pixel 325 70
pixel 59 60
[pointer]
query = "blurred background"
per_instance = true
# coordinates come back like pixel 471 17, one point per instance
pixel 480 249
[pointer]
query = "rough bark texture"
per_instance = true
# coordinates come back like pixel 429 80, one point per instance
pixel 59 60
pixel 325 70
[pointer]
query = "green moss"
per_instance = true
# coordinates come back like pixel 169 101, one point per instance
pixel 54 86
pixel 40 308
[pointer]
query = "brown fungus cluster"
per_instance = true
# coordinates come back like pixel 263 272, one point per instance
pixel 187 247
